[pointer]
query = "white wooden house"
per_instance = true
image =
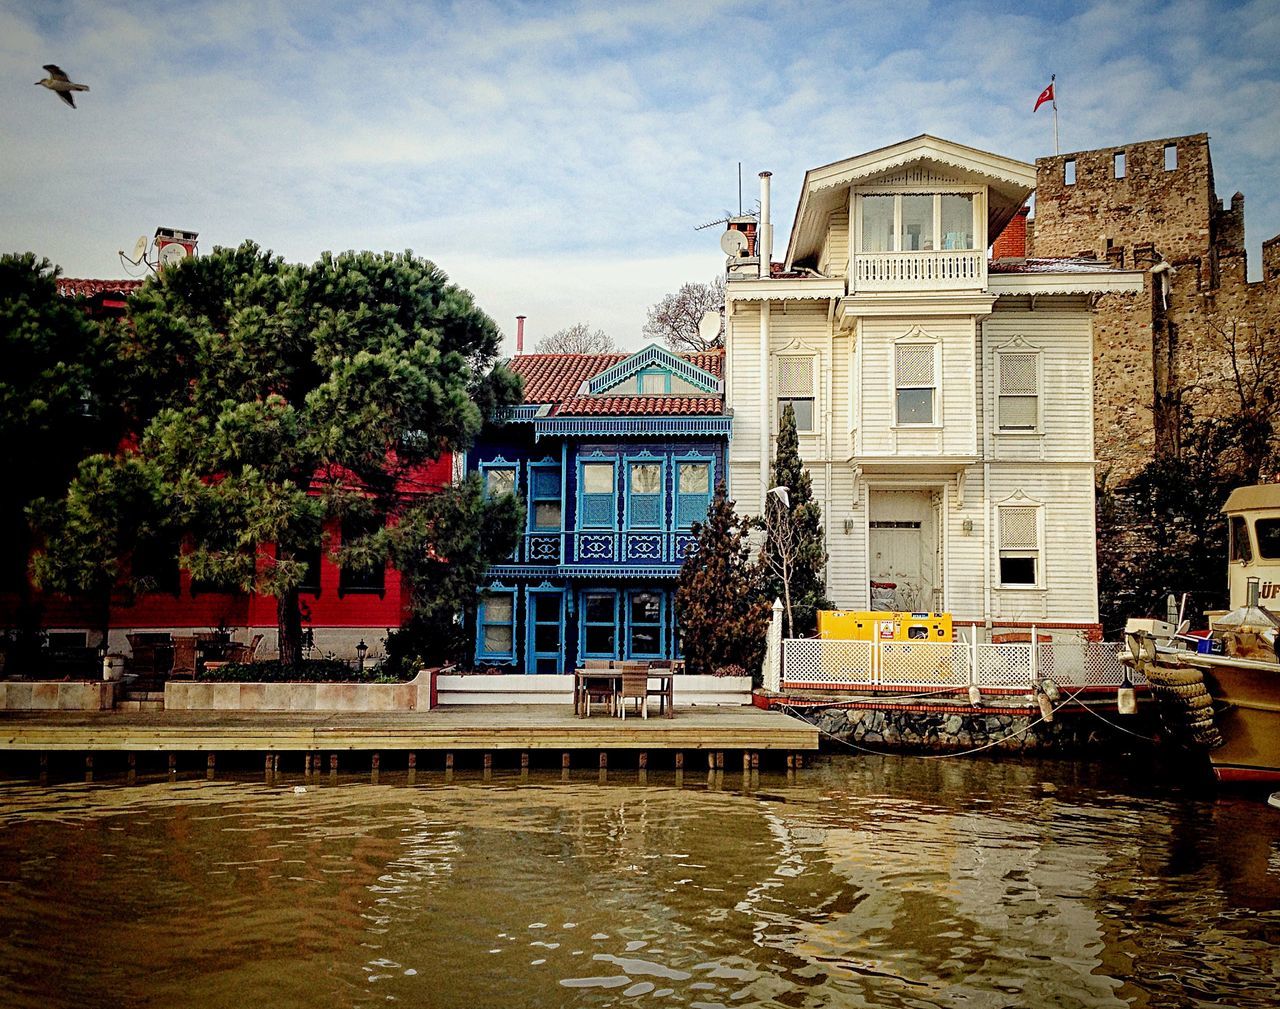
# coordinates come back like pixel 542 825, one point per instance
pixel 945 403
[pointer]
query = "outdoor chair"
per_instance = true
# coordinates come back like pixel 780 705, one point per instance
pixel 598 690
pixel 184 656
pixel 635 687
pixel 659 690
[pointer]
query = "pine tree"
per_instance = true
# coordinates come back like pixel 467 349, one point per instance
pixel 722 614
pixel 794 555
pixel 270 400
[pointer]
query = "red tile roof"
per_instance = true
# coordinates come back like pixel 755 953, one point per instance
pixel 558 379
pixel 70 287
pixel 686 405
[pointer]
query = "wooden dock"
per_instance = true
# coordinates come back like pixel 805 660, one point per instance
pixel 453 728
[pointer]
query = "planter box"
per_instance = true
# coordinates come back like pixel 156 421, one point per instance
pixel 77 695
pixel 414 695
pixel 557 688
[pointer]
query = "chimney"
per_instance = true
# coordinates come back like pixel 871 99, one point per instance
pixel 520 334
pixel 765 242
pixel 1012 243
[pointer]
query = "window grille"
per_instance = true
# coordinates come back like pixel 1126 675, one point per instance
pixel 1018 392
pixel 915 381
pixel 599 510
pixel 693 492
pixel 795 388
pixel 1019 545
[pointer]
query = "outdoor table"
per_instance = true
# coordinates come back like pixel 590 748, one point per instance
pixel 583 679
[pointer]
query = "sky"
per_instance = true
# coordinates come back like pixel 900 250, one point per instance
pixel 556 158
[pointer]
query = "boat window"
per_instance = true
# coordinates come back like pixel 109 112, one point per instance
pixel 1241 549
pixel 1268 533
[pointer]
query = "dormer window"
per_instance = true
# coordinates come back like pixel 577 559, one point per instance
pixel 654 383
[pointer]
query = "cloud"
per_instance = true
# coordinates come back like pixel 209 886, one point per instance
pixel 559 156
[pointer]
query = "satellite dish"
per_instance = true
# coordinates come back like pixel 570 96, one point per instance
pixel 173 253
pixel 139 249
pixel 734 243
pixel 709 326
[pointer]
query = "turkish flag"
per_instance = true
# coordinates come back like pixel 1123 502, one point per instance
pixel 1045 96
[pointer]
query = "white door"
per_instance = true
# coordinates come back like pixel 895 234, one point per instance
pixel 903 546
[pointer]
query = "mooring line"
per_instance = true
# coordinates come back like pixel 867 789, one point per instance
pixel 1068 699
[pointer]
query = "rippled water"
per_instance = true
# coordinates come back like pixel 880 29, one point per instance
pixel 859 882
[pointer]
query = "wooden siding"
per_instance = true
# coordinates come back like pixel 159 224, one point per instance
pixel 1063 339
pixel 1070 591
pixel 878 433
pixel 834 258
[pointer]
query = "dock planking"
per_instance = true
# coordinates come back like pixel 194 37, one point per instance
pixel 461 727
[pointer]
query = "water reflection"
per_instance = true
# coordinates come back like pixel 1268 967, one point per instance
pixel 858 882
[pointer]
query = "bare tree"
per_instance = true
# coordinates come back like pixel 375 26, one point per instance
pixel 579 338
pixel 677 319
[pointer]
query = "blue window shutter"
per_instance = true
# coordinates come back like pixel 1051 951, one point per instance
pixel 691 508
pixel 598 511
pixel 646 510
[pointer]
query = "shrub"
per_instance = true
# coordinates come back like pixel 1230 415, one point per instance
pixel 314 671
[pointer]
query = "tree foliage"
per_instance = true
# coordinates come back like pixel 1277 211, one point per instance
pixel 1163 531
pixel 443 548
pixel 794 553
pixel 676 320
pixel 579 338
pixel 59 401
pixel 720 603
pixel 269 399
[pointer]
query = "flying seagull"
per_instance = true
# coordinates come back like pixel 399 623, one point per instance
pixel 59 82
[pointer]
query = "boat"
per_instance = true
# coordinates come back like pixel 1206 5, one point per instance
pixel 1219 692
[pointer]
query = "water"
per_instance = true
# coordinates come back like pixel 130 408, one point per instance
pixel 859 882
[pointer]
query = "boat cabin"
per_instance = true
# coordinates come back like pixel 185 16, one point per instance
pixel 1253 518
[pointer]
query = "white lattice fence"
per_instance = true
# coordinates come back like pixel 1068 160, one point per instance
pixel 1004 667
pixel 924 664
pixel 814 662
pixel 1084 664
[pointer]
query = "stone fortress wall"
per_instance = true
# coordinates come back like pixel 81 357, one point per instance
pixel 1143 205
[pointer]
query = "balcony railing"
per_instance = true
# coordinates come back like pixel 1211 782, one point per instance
pixel 920 271
pixel 606 546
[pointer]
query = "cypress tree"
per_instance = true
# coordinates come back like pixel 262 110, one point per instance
pixel 794 562
pixel 722 614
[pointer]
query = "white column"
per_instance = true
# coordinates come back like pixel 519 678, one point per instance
pixel 773 650
pixel 766 416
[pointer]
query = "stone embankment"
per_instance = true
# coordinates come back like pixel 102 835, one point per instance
pixel 1017 730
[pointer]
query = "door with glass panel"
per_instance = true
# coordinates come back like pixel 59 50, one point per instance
pixel 645 631
pixel 545 650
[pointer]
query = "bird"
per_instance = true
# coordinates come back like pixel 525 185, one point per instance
pixel 59 82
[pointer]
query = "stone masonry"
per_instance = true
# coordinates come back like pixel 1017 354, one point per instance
pixel 1199 335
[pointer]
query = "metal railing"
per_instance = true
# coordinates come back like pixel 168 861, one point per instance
pixel 828 664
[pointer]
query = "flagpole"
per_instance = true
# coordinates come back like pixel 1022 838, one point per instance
pixel 1052 78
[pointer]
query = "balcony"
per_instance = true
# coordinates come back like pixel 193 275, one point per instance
pixel 606 546
pixel 936 270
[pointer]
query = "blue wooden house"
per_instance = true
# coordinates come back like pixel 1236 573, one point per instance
pixel 615 457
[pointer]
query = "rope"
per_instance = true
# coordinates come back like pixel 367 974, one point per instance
pixel 1107 721
pixel 1068 698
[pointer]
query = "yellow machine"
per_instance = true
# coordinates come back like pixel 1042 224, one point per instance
pixel 878 625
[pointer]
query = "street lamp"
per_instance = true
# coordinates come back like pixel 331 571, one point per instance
pixel 361 651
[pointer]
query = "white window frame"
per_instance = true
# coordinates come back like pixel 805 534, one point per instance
pixel 937 192
pixel 1018 346
pixel 917 338
pixel 776 369
pixel 1020 500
